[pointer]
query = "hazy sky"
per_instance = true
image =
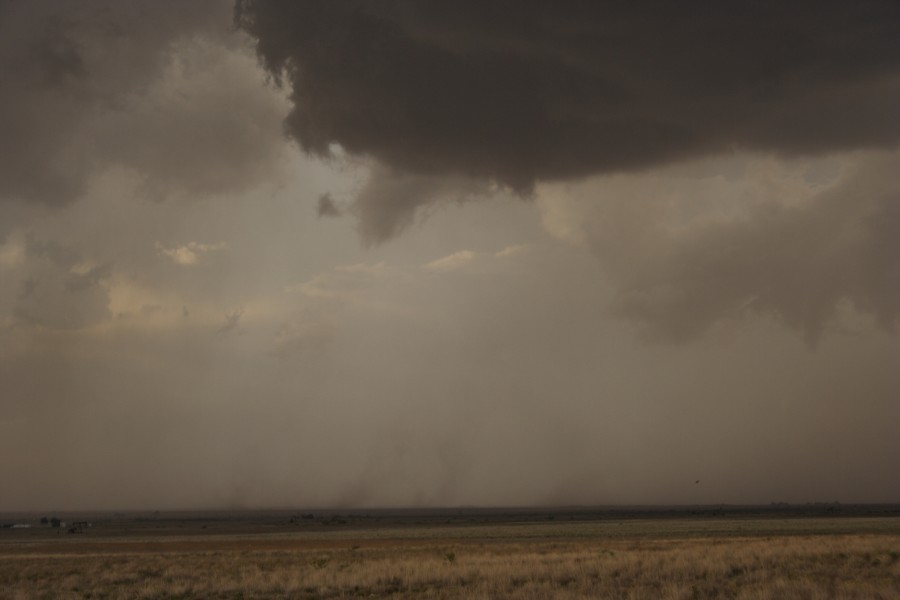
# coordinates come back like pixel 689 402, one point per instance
pixel 402 253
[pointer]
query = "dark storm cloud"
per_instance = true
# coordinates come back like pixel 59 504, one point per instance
pixel 95 83
pixel 517 92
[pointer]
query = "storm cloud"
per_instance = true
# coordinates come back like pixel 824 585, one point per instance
pixel 517 93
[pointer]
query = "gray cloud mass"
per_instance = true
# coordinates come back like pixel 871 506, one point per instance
pixel 528 91
pixel 142 85
pixel 799 261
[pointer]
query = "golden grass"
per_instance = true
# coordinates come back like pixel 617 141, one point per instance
pixel 863 566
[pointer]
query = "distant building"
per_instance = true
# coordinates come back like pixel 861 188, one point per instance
pixel 78 526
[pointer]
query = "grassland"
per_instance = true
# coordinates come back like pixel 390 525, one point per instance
pixel 684 558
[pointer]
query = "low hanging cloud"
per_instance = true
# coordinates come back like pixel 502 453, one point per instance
pixel 327 207
pixel 405 193
pixel 517 93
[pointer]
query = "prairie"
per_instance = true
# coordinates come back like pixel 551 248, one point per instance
pixel 671 558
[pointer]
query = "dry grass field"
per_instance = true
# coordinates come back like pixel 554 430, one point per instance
pixel 661 558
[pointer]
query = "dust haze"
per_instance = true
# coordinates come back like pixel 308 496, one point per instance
pixel 281 254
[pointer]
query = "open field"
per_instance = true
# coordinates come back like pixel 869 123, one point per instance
pixel 458 555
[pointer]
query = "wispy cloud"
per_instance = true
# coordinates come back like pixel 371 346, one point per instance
pixel 452 262
pixel 190 254
pixel 510 251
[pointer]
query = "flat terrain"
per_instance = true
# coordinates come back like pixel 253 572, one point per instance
pixel 805 552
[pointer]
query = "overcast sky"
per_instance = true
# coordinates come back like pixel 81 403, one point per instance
pixel 401 253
